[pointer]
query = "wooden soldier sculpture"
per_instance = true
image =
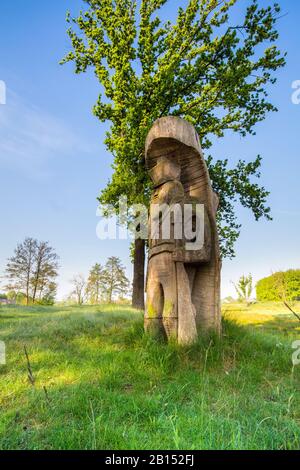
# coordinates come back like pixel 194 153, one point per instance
pixel 183 278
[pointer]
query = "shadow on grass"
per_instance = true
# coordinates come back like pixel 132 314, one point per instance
pixel 109 385
pixel 118 347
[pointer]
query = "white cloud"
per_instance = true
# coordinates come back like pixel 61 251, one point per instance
pixel 29 137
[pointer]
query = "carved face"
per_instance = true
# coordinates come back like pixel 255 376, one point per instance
pixel 165 170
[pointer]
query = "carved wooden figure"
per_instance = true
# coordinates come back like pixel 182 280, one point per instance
pixel 183 278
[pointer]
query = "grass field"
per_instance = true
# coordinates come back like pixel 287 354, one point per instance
pixel 100 383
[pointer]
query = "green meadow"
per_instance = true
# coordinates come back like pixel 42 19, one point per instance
pixel 98 382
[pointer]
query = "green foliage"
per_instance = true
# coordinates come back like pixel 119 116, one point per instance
pixel 244 288
pixel 49 294
pixel 94 288
pixel 281 286
pixel 107 283
pixel 17 298
pixel 109 386
pixel 203 68
pixel 32 271
pixel 114 280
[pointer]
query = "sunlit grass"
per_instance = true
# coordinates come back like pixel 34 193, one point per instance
pixel 101 383
pixel 269 315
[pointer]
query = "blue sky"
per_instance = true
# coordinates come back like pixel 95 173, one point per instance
pixel 53 162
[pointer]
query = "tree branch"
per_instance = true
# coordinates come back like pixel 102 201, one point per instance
pixel 291 310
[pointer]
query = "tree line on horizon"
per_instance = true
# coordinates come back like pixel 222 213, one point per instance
pixel 31 278
pixel 104 284
pixel 32 271
pixel 282 286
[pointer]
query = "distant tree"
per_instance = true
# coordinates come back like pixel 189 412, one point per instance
pixel 94 287
pixel 18 298
pixel 49 294
pixel 114 279
pixel 32 269
pixel 244 288
pixel 19 268
pixel 44 273
pixel 209 66
pixel 79 290
pixel 21 299
pixel 12 296
pixel 280 287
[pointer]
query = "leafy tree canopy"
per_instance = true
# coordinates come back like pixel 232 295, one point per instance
pixel 281 286
pixel 32 271
pixel 94 288
pixel 244 288
pixel 114 280
pixel 203 68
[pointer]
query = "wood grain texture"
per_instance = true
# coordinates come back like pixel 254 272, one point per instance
pixel 183 285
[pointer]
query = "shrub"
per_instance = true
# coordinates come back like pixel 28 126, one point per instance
pixel 279 286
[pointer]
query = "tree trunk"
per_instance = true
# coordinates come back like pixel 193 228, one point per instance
pixel 27 293
pixel 36 280
pixel 138 275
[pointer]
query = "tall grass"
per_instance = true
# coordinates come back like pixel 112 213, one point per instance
pixel 101 383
